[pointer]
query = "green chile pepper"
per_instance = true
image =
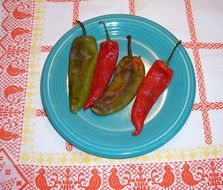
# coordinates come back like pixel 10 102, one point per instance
pixel 124 85
pixel 82 62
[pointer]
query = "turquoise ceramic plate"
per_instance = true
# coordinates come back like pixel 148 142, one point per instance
pixel 111 136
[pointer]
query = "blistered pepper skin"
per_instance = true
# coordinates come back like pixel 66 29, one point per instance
pixel 153 85
pixel 123 87
pixel 82 62
pixel 107 59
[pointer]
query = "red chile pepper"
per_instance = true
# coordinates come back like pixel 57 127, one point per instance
pixel 155 82
pixel 105 67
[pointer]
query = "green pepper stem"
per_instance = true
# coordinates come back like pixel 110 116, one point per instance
pixel 172 52
pixel 129 37
pixel 84 33
pixel 106 30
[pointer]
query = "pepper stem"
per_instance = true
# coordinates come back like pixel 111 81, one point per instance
pixel 129 37
pixel 167 62
pixel 106 30
pixel 84 33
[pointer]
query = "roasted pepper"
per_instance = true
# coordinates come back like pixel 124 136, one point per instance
pixel 155 82
pixel 82 61
pixel 123 87
pixel 107 59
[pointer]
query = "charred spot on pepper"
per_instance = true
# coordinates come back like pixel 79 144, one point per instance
pixel 82 61
pixel 105 67
pixel 123 86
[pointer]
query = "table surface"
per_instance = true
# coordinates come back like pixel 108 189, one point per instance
pixel 34 156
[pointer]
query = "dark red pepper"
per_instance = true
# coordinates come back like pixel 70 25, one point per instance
pixel 155 82
pixel 105 67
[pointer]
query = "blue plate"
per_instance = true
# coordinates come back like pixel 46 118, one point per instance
pixel 111 136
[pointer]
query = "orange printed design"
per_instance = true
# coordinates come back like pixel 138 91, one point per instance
pixel 94 181
pixel 189 178
pixel 199 72
pixel 40 112
pixel 132 10
pixel 54 180
pixel 9 93
pixel 114 180
pixel 13 70
pixel 41 180
pixel 211 106
pixel 197 174
pixel 141 178
pixel 46 48
pixel 8 112
pixel 76 9
pixel 7 135
pixel 204 45
pixel 17 34
pixel 215 178
pixel 69 147
pixel 17 23
pixel 11 175
pixel 14 51
pixel 166 181
pixel 200 174
pixel 47 179
pixel 203 105
pixel 67 183
pixel 20 11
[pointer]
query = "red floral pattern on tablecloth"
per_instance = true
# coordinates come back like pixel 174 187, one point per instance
pixel 11 176
pixel 204 106
pixel 17 23
pixel 197 174
pixel 14 59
